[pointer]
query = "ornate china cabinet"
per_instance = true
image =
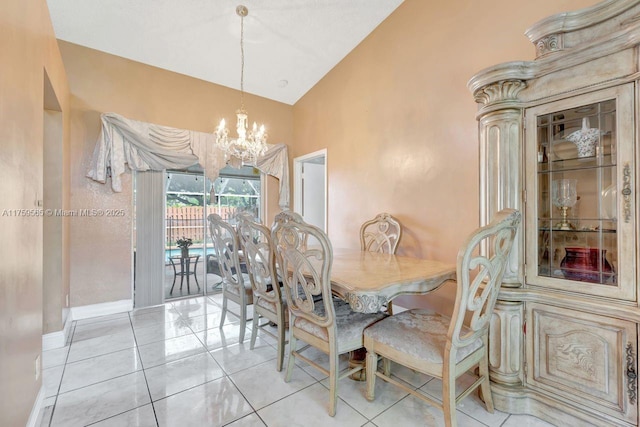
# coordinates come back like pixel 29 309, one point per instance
pixel 558 140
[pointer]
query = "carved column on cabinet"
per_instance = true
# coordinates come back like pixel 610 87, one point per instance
pixel 501 147
pixel 506 343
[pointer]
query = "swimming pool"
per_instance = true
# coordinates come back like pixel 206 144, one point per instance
pixel 192 251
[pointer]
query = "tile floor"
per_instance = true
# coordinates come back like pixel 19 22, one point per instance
pixel 171 365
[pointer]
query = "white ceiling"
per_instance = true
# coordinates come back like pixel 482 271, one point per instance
pixel 289 44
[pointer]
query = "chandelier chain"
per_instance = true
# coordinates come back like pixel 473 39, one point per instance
pixel 242 62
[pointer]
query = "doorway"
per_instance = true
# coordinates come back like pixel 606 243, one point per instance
pixel 189 198
pixel 55 254
pixel 310 187
pixel 185 243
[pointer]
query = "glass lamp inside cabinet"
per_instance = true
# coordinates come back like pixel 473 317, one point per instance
pixel 576 173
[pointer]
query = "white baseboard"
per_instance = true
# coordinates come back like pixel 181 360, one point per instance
pixel 57 339
pixel 102 309
pixel 35 410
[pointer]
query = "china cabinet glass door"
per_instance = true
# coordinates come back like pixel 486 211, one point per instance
pixel 580 198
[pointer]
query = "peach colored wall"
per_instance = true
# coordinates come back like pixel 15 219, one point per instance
pixel 54 286
pixel 101 247
pixel 399 123
pixel 57 310
pixel 27 48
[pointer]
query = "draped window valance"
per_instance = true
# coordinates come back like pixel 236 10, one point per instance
pixel 147 146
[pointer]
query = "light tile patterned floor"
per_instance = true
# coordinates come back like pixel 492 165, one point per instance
pixel 171 365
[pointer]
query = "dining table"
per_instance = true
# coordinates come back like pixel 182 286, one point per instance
pixel 370 280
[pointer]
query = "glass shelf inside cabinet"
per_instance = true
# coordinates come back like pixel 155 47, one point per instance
pixel 577 195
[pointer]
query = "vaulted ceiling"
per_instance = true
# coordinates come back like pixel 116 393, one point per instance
pixel 289 44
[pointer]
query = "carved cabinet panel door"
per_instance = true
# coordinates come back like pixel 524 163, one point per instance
pixel 585 358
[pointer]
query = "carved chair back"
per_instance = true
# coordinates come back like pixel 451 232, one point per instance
pixel 305 270
pixel 260 258
pixel 381 234
pixel 479 277
pixel 227 246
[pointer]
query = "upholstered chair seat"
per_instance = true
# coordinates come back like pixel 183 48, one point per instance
pixel 420 335
pixel 349 325
pixel 234 287
pixel 272 307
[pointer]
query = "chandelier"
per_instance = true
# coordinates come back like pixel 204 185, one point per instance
pixel 250 144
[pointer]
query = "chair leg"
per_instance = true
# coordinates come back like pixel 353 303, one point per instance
pixel 386 366
pixel 291 361
pixel 372 367
pixel 243 322
pixel 195 274
pixel 485 387
pixel 174 283
pixel 175 274
pixel 449 398
pixel 333 380
pixel 224 309
pixel 281 338
pixel 254 328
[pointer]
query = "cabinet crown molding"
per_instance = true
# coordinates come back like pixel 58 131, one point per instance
pixel 547 34
pixel 568 39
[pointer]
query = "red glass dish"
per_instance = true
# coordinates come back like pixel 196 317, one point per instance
pixel 586 265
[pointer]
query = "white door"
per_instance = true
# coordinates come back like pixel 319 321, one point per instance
pixel 310 188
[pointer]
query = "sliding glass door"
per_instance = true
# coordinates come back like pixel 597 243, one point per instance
pixel 190 266
pixel 185 243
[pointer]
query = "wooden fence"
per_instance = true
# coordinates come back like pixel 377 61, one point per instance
pixel 189 221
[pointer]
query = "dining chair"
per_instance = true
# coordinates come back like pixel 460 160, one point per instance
pixel 381 234
pixel 441 346
pixel 236 285
pixel 267 296
pixel 325 324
